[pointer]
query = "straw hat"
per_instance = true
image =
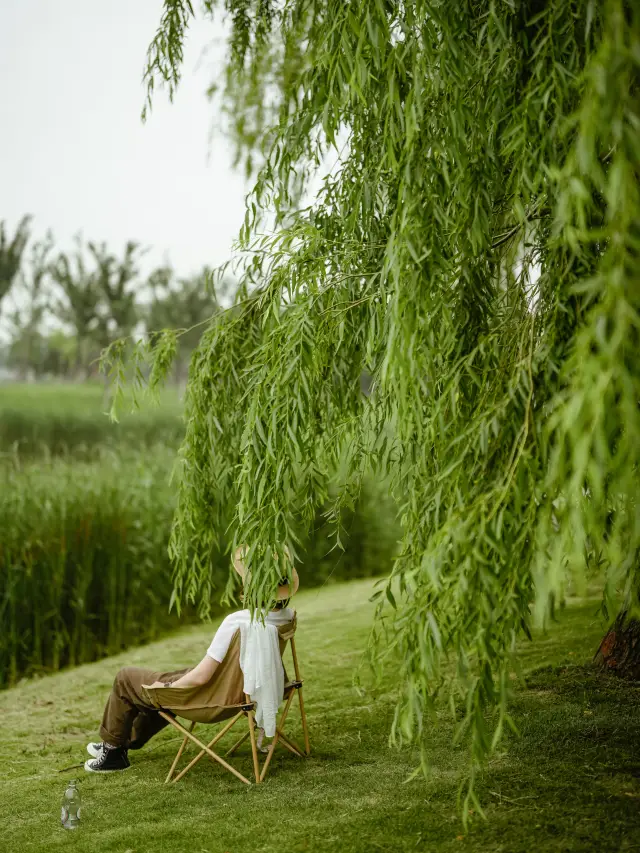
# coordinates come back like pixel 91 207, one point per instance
pixel 284 590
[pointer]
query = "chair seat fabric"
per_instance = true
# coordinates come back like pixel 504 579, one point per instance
pixel 223 696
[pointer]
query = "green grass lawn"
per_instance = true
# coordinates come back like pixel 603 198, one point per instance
pixel 570 782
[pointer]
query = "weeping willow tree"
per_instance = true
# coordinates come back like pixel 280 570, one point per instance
pixel 474 248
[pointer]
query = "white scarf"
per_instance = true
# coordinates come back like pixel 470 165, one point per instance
pixel 261 665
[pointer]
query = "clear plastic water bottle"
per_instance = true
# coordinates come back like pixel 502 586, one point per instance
pixel 71 806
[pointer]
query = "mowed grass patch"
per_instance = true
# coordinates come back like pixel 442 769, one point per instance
pixel 569 783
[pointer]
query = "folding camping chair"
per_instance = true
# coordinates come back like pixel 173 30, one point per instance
pixel 222 699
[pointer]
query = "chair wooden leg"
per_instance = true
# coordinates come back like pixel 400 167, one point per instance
pixel 202 753
pixel 254 747
pixel 237 744
pixel 179 754
pixel 300 699
pixel 291 746
pixel 275 740
pixel 307 747
pixel 206 749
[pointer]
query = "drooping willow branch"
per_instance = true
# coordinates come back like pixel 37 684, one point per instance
pixel 474 251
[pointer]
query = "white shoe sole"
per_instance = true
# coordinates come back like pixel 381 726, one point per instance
pixel 90 769
pixel 93 752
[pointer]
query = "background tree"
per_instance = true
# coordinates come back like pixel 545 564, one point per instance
pixel 59 353
pixel 11 252
pixel 80 306
pixel 117 280
pixel 98 297
pixel 182 304
pixel 28 344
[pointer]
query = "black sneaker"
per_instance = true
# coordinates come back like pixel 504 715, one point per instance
pixel 94 748
pixel 108 760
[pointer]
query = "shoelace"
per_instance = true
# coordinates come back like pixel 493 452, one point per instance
pixel 102 757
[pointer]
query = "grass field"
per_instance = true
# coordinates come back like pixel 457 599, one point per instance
pixel 62 418
pixel 570 783
pixel 74 397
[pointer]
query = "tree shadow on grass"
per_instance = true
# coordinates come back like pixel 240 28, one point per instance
pixel 571 781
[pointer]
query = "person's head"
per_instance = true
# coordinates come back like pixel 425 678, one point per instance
pixel 285 589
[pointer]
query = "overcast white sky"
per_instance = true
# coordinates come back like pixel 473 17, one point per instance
pixel 74 153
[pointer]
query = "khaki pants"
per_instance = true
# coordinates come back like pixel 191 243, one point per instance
pixel 130 718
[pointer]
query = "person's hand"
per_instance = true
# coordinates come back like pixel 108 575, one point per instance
pixel 155 684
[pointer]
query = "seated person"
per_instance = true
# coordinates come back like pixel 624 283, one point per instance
pixel 130 718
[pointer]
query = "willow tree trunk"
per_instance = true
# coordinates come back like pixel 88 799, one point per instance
pixel 619 651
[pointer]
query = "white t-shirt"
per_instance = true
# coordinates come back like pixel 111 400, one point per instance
pixel 223 636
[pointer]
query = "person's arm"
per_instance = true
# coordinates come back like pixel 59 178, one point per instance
pixel 210 662
pixel 196 677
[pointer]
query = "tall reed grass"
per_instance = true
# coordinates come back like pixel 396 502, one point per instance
pixel 84 569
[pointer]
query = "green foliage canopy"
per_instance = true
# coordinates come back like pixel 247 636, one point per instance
pixel 475 250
